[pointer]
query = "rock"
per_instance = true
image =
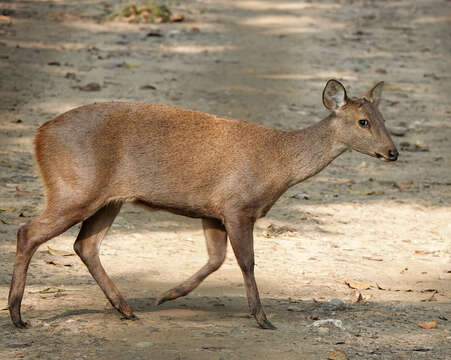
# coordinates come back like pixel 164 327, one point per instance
pixel 300 196
pixel 405 145
pixel 154 33
pixel 323 331
pixel 334 305
pixel 293 308
pixel 70 75
pixel 337 323
pixel 398 130
pixel 148 87
pixel 314 315
pixel 422 348
pixel 419 146
pixel 174 32
pixel 92 86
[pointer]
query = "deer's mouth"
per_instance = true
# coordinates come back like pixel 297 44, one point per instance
pixel 391 156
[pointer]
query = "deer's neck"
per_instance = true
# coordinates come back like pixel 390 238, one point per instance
pixel 312 149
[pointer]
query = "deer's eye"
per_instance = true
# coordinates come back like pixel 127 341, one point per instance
pixel 364 123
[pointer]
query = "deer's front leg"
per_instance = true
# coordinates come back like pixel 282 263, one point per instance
pixel 240 232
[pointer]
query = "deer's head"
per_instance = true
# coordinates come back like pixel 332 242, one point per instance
pixel 358 121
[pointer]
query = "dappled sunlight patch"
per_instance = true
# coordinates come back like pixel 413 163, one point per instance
pixel 98 27
pixel 195 49
pixel 44 45
pixel 311 76
pixel 281 6
pixel 278 20
pixel 432 19
pixel 290 24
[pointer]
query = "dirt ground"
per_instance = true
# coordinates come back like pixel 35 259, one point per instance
pixel 383 225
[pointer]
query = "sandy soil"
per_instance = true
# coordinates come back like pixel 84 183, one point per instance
pixel 385 224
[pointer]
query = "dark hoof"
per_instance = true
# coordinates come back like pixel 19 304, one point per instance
pixel 131 317
pixel 266 324
pixel 161 300
pixel 21 324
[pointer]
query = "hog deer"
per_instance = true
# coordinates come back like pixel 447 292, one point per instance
pixel 227 172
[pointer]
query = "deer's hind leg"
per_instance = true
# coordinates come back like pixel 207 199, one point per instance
pixel 216 241
pixel 56 219
pixel 87 246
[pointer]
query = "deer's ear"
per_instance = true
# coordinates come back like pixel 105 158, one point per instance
pixel 374 95
pixel 334 95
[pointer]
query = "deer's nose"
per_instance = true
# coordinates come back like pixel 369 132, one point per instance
pixel 392 155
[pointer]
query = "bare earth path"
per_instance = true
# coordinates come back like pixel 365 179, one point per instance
pixel 386 225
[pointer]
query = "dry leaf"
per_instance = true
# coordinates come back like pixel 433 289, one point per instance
pixel 361 298
pixel 371 258
pixel 392 87
pixel 431 298
pixel 19 356
pixel 358 285
pixel 428 324
pixel 379 287
pixel 131 66
pixel 337 355
pixel 11 221
pixel 176 17
pixel 51 262
pixel 22 192
pixel 59 252
pixel 405 186
pixel 367 192
pixel 419 145
pixel 148 87
pixel 49 290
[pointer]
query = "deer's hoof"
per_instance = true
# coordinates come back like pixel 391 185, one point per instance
pixel 266 324
pixel 131 317
pixel 160 300
pixel 21 324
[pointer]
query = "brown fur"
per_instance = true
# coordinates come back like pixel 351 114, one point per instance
pixel 225 171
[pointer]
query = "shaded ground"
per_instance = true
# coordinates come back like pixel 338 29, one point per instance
pixel 265 62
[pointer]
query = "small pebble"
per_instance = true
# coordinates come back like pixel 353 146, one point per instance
pixel 398 130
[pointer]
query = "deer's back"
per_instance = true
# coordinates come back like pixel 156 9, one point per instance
pixel 148 151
